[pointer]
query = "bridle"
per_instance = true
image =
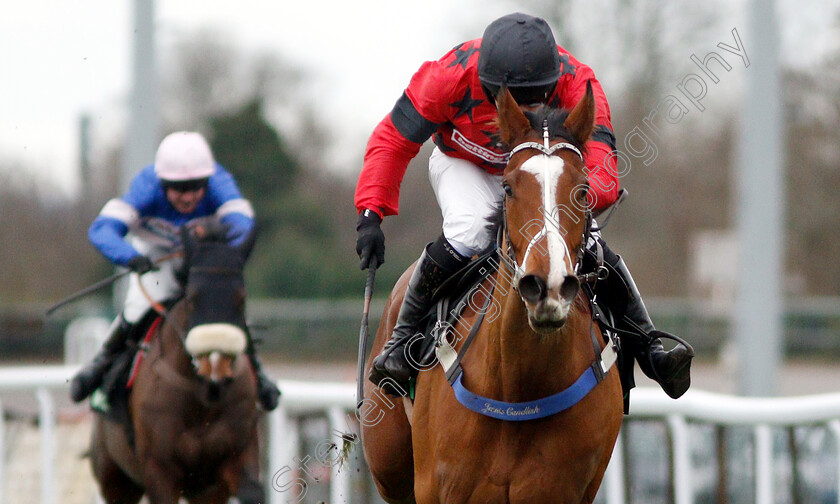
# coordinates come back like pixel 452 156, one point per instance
pixel 162 310
pixel 504 244
pixel 450 360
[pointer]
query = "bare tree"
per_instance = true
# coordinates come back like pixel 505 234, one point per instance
pixel 813 176
pixel 205 74
pixel 45 249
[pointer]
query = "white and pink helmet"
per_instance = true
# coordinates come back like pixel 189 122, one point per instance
pixel 184 155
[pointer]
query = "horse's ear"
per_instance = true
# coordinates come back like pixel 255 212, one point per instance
pixel 247 244
pixel 513 124
pixel 581 121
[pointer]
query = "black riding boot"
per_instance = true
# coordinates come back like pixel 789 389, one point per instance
pixel 267 391
pixel 669 368
pixel 437 263
pixel 89 378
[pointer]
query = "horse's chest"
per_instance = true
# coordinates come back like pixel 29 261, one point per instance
pixel 203 443
pixel 508 466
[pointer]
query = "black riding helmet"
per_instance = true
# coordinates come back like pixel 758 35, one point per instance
pixel 519 50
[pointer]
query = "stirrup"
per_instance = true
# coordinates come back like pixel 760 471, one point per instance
pixel 679 379
pixel 86 381
pixel 91 375
pixel 436 264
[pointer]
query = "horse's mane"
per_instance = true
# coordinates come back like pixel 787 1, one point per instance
pixel 555 118
pixel 496 219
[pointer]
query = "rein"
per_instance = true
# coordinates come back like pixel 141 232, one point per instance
pixel 507 253
pixel 163 369
pixel 162 311
pixel 450 360
pixel 156 305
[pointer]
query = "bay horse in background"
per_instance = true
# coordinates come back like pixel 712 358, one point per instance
pixel 533 413
pixel 193 400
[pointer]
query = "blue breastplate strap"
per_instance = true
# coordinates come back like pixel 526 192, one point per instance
pixel 450 361
pixel 529 410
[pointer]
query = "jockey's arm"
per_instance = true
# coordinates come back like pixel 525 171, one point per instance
pixel 386 159
pixel 232 209
pixel 108 230
pixel 239 225
pixel 600 157
pixel 416 115
pixel 602 174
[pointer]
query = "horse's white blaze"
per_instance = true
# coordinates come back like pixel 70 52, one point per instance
pixel 547 170
pixel 215 365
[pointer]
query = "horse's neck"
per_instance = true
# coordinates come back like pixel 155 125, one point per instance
pixel 170 342
pixel 532 364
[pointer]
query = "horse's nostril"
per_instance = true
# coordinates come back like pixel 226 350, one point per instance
pixel 532 289
pixel 570 287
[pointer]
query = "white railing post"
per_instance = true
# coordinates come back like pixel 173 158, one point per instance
pixel 282 448
pixel 834 428
pixel 683 491
pixel 763 464
pixel 46 418
pixel 337 401
pixel 2 451
pixel 340 475
pixel 614 477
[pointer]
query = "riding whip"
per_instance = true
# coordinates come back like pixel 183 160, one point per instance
pixel 87 290
pixel 102 283
pixel 363 335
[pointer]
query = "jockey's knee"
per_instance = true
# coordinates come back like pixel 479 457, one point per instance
pixel 467 244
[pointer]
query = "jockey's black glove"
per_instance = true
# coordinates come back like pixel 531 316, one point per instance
pixel 140 264
pixel 370 243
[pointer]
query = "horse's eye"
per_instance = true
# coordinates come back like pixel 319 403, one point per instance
pixel 582 194
pixel 508 189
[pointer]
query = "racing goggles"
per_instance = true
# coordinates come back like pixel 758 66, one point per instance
pixel 183 186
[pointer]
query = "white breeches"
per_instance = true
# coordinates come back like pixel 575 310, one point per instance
pixel 160 285
pixel 467 196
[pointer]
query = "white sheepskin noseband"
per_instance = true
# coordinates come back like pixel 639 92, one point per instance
pixel 207 338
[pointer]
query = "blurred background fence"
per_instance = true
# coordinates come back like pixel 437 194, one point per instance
pixel 704 448
pixel 316 329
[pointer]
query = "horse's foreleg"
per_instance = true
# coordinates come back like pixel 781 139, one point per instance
pixel 216 494
pixel 115 485
pixel 244 477
pixel 239 478
pixel 161 484
pixel 233 478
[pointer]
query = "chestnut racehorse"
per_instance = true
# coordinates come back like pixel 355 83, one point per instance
pixel 533 413
pixel 193 400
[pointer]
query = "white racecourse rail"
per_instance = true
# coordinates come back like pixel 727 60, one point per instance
pixel 337 400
